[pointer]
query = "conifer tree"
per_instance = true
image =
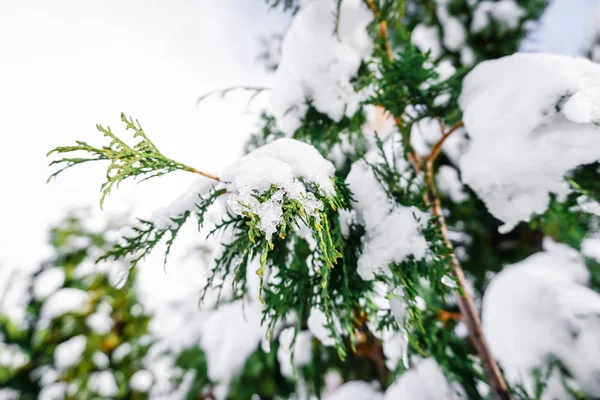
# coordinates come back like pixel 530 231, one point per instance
pixel 83 336
pixel 407 158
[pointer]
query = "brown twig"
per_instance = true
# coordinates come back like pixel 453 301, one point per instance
pixel 207 175
pixel 383 28
pixel 465 301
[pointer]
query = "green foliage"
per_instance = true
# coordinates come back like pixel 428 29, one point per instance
pixel 39 338
pixel 147 234
pixel 142 160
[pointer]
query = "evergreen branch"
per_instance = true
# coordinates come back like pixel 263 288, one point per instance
pixel 148 235
pixel 141 161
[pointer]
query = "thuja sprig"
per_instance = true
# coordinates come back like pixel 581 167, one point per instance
pixel 141 161
pixel 147 234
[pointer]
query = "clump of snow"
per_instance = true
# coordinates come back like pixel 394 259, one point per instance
pixel 48 282
pixel 121 352
pixel 99 322
pixel 288 164
pixel 449 184
pixel 425 381
pixel 63 301
pixel 355 390
pixel 141 381
pixel 540 307
pixel 302 351
pixel 506 13
pixel 101 360
pixel 103 383
pixel 392 232
pixel 427 38
pixel 532 118
pixel 230 335
pixel 69 353
pixel 321 73
pixel 54 391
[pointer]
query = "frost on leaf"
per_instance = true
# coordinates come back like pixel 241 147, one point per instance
pixel 317 65
pixel 532 118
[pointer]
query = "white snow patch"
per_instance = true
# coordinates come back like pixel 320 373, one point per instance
pixel 355 390
pixel 48 282
pixel 321 72
pixel 425 381
pixel 230 335
pixel 302 351
pixel 521 146
pixel 55 391
pixel 317 325
pixel 69 353
pixel 393 232
pixel 427 38
pixel 99 322
pixel 141 381
pixel 103 383
pixel 63 301
pixel 101 360
pixel 506 13
pixel 541 307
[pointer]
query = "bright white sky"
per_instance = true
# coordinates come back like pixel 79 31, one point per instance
pixel 66 65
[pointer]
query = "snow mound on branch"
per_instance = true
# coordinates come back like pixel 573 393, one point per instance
pixel 288 164
pixel 393 232
pixel 230 335
pixel 506 13
pixel 317 64
pixel 532 118
pixel 355 390
pixel 540 307
pixel 426 381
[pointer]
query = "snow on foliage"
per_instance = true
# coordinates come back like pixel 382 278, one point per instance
pixel 393 232
pixel 317 65
pixel 230 335
pixel 425 381
pixel 541 308
pixel 289 165
pixel 532 118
